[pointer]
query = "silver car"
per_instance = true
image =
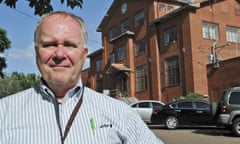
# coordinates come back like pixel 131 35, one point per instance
pixel 145 108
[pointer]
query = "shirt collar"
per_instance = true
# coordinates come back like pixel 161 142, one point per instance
pixel 49 95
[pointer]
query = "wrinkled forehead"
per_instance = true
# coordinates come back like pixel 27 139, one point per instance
pixel 61 16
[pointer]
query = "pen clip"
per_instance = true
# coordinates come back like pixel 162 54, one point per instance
pixel 93 127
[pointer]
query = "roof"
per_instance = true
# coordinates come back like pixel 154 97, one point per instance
pixel 184 6
pixel 117 67
pixel 107 16
pixel 99 51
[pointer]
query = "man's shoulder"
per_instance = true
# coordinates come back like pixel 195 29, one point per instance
pixel 97 98
pixel 18 96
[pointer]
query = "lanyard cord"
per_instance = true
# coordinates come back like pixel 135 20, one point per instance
pixel 70 120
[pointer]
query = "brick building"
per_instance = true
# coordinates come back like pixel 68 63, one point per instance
pixel 159 49
pixel 221 77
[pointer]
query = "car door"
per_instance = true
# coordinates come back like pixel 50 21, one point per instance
pixel 203 113
pixel 145 110
pixel 185 112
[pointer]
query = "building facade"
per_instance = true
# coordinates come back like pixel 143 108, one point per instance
pixel 159 49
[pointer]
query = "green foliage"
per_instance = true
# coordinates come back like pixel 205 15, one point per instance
pixel 191 96
pixel 43 6
pixel 17 82
pixel 194 96
pixel 5 43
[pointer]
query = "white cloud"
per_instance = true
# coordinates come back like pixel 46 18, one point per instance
pixel 21 53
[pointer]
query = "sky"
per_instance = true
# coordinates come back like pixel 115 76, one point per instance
pixel 20 24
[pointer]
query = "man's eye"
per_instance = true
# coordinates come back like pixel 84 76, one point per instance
pixel 49 45
pixel 69 45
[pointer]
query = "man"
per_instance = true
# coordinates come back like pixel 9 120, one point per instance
pixel 61 110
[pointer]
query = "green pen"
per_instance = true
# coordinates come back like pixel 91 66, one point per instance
pixel 93 126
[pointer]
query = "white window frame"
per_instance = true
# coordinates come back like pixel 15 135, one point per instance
pixel 233 34
pixel 210 31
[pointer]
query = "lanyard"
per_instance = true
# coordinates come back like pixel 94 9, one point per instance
pixel 70 120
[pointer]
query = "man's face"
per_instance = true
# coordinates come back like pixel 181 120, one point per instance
pixel 60 52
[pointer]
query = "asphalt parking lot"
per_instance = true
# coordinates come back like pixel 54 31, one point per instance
pixel 196 135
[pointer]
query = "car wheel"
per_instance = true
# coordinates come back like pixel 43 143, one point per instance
pixel 236 127
pixel 171 122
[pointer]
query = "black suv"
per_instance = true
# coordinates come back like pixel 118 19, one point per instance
pixel 228 110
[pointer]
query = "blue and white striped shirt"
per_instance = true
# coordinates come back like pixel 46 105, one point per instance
pixel 29 117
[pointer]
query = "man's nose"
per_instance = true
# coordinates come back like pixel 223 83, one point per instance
pixel 60 51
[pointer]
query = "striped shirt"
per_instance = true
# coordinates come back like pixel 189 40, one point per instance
pixel 30 117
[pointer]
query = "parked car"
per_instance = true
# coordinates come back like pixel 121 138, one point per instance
pixel 145 108
pixel 185 112
pixel 228 110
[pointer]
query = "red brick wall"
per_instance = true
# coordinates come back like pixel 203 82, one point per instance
pixel 226 75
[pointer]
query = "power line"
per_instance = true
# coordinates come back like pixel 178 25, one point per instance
pixel 34 18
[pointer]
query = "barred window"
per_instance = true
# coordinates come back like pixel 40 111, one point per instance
pixel 141 78
pixel 233 34
pixel 172 71
pixel 210 31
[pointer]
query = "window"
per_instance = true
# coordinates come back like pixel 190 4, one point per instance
pixel 156 105
pixel 210 31
pixel 112 58
pixel 141 78
pixel 170 8
pixel 144 105
pixel 140 47
pixel 233 34
pixel 124 26
pixel 234 98
pixel 112 33
pixel 185 104
pixel 170 35
pixel 172 71
pixel 122 53
pixel 139 19
pixel 202 105
pixel 98 65
pixel 161 7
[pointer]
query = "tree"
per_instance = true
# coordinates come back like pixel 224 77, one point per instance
pixel 5 43
pixel 17 82
pixel 43 6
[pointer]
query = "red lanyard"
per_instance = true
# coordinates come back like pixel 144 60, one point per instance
pixel 70 120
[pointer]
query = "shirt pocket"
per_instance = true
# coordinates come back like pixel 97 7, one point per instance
pixel 107 135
